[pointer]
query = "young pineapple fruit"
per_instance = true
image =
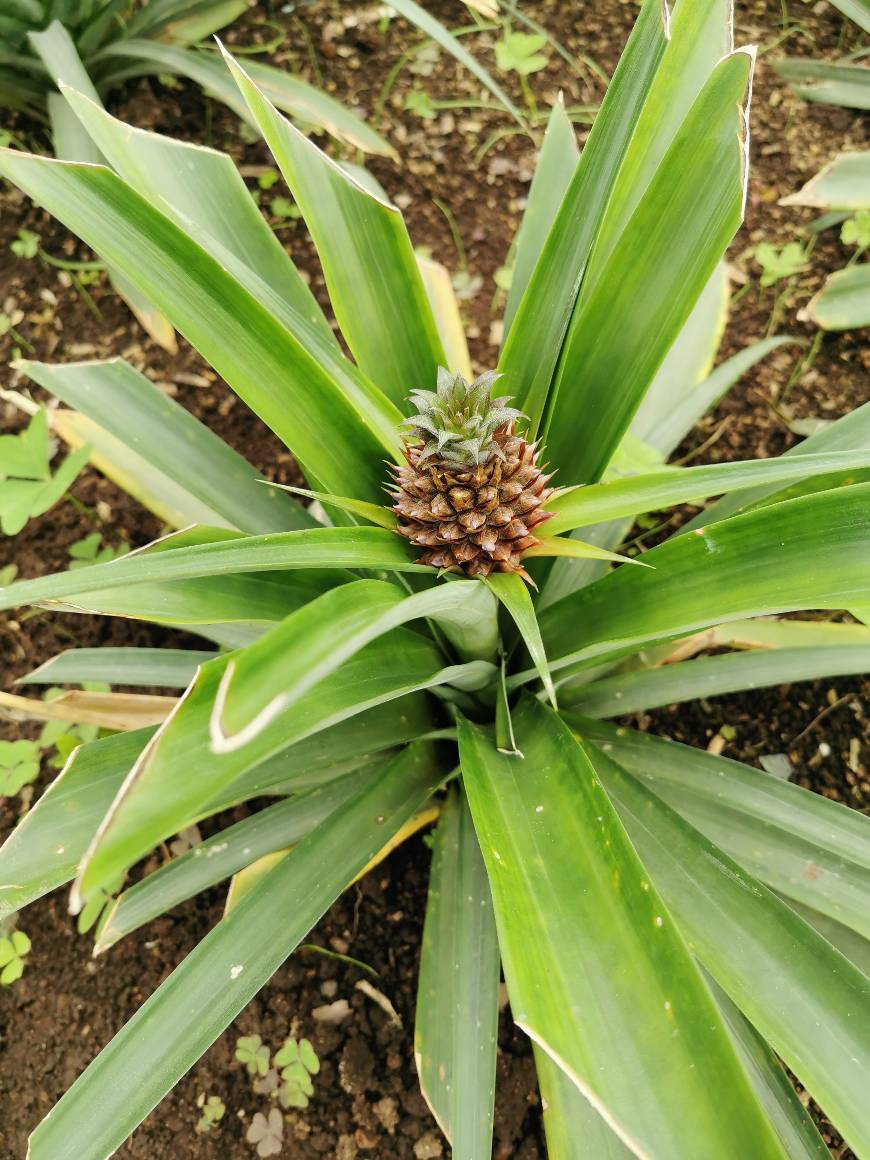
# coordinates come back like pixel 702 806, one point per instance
pixel 471 492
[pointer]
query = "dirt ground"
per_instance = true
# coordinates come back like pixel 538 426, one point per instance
pixel 367 1103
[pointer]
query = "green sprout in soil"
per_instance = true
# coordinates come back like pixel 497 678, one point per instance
pixel 92 550
pixel 521 53
pixel 266 1133
pixel 27 486
pixel 13 951
pixel 211 1113
pixel 856 232
pixel 298 1063
pixel 25 245
pixel 253 1053
pixel 19 766
pixel 780 264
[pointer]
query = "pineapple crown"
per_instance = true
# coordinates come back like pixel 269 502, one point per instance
pixel 458 420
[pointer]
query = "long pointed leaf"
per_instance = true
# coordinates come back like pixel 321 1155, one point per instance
pixel 555 168
pixel 641 689
pixel 625 323
pixel 801 844
pixel 385 319
pixel 43 852
pixel 228 851
pixel 202 996
pixel 850 433
pixel 167 668
pixel 810 1004
pixel 633 495
pixel 535 340
pixel 268 678
pixel 120 399
pixel 597 973
pixel 204 193
pixel 244 341
pixel 159 799
pixel 807 553
pixel 456 1029
pixel 316 548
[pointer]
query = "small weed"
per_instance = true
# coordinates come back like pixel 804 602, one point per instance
pixel 779 264
pixel 283 207
pixel 520 52
pixel 267 1133
pixel 19 766
pixel 288 1080
pixel 211 1113
pixel 13 951
pixel 419 102
pixel 25 245
pixel 298 1063
pixel 268 178
pixel 253 1053
pixel 91 550
pixel 7 326
pixel 27 486
pixel 855 230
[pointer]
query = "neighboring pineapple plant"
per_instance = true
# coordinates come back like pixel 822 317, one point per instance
pixel 675 928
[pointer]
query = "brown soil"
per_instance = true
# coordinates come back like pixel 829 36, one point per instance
pixel 367 1103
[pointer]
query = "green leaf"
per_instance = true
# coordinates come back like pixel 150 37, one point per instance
pixel 519 52
pixel 850 433
pixel 573 1129
pixel 44 850
pixel 228 851
pixel 159 799
pixel 843 303
pixel 375 513
pixel 26 455
pixel 809 1003
pixel 688 362
pixel 514 595
pixel 577 507
pixel 598 975
pixel 201 997
pixel 433 28
pixel 779 263
pixel 57 51
pixel 856 10
pixel 628 317
pixel 843 183
pixel 553 172
pixel 642 689
pixel 537 333
pixel 793 1123
pixel 385 319
pixel 203 192
pixel 456 1029
pixel 826 82
pixel 220 487
pixel 166 668
pixel 266 680
pixel 245 342
pixel 21 500
pixel 812 552
pixel 303 101
pixel 672 427
pixel 801 844
pixel 314 548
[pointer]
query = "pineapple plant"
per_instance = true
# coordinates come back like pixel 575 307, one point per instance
pixel 662 940
pixel 471 491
